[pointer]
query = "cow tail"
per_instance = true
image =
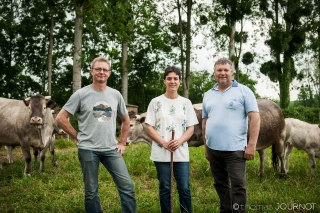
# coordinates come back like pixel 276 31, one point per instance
pixel 275 158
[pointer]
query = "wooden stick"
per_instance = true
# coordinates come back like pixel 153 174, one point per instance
pixel 171 167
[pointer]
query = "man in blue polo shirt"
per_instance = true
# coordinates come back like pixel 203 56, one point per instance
pixel 227 109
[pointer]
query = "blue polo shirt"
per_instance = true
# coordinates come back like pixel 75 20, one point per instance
pixel 226 113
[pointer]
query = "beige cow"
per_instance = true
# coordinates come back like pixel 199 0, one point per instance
pixel 303 136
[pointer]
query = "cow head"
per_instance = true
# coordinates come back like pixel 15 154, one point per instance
pixel 57 128
pixel 138 130
pixel 38 105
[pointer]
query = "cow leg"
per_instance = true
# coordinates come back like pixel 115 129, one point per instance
pixel 262 155
pixel 42 158
pixel 27 157
pixel 280 151
pixel 9 153
pixel 312 160
pixel 51 149
pixel 289 149
pixel 35 154
pixel 0 159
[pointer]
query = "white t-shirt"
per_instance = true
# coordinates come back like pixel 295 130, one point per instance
pixel 166 115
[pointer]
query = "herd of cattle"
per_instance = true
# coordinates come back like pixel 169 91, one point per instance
pixel 30 123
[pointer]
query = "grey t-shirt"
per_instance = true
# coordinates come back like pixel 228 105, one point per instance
pixel 96 113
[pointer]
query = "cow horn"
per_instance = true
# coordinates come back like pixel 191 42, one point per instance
pixel 27 99
pixel 47 97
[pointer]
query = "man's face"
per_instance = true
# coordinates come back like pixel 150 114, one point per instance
pixel 223 74
pixel 100 72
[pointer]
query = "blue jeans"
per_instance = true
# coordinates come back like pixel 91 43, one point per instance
pixel 181 173
pixel 229 172
pixel 116 166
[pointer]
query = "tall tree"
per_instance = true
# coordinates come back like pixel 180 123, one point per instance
pixel 225 17
pixel 186 81
pixel 50 48
pixel 77 45
pixel 182 33
pixel 286 38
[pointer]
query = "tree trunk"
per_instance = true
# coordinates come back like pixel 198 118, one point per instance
pixel 285 81
pixel 77 48
pixel 182 58
pixel 232 42
pixel 188 49
pixel 124 80
pixel 287 68
pixel 319 56
pixel 50 53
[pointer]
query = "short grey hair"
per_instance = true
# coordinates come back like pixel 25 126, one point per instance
pixel 100 59
pixel 224 61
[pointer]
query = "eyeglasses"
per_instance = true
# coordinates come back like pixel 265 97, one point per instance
pixel 101 69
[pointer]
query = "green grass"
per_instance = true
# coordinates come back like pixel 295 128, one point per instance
pixel 60 189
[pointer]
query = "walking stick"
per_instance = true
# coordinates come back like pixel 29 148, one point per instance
pixel 171 167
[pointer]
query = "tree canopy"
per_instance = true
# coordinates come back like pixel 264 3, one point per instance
pixel 47 46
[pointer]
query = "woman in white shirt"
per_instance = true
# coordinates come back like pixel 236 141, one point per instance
pixel 166 113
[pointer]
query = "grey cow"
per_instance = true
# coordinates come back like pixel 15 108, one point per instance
pixel 28 123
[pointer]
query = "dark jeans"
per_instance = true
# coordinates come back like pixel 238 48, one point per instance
pixel 229 167
pixel 116 166
pixel 181 173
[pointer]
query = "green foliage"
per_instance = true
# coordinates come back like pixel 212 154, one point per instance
pixel 246 80
pixel 60 189
pixel 286 37
pixel 24 43
pixel 307 114
pixel 269 68
pixel 247 58
pixel 307 98
pixel 201 82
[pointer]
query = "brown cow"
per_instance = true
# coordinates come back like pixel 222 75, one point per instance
pixel 27 123
pixel 272 132
pixel 305 136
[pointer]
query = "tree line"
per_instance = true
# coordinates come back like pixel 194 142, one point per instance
pixel 46 46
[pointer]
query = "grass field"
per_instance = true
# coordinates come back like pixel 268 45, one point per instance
pixel 60 189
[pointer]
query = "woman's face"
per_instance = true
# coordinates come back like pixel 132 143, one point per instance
pixel 172 82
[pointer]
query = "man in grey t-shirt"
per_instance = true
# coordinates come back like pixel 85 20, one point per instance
pixel 96 107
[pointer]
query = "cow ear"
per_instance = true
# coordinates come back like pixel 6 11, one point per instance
pixel 51 104
pixel 138 117
pixel 142 120
pixel 26 101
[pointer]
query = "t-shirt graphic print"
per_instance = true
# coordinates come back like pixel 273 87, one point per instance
pixel 102 111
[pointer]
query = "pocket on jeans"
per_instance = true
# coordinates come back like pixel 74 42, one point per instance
pixel 85 155
pixel 239 154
